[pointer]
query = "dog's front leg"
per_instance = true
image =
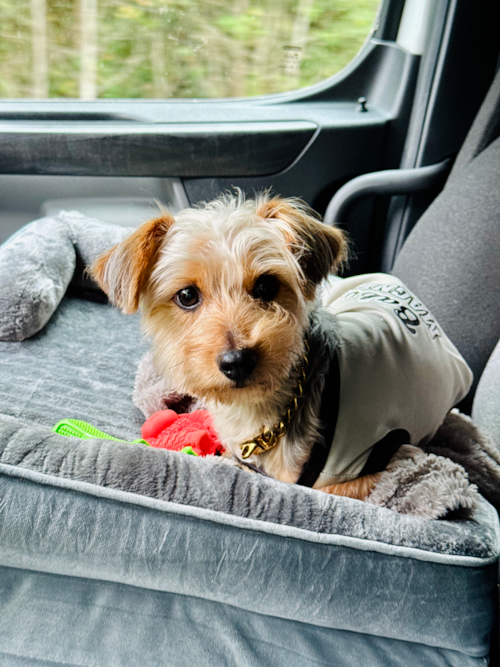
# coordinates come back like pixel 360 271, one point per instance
pixel 359 488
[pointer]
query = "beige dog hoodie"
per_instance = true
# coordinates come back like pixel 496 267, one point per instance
pixel 398 370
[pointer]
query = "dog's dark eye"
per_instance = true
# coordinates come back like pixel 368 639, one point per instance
pixel 188 298
pixel 266 287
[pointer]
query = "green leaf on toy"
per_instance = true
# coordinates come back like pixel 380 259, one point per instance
pixel 188 450
pixel 80 429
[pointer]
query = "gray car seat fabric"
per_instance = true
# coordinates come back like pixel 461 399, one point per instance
pixel 484 130
pixel 450 259
pixel 486 408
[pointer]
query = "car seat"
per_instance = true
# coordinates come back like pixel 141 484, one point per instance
pixel 450 258
pixel 217 566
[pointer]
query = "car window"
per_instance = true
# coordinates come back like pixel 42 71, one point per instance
pixel 91 49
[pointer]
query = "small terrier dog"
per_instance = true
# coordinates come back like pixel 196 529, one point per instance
pixel 228 295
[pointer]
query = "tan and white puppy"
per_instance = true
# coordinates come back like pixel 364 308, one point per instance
pixel 226 290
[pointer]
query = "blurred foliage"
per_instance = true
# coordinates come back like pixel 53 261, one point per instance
pixel 176 48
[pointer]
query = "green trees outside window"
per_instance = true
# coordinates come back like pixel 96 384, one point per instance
pixel 162 49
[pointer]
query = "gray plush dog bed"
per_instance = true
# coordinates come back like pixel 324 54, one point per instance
pixel 174 531
pixel 46 259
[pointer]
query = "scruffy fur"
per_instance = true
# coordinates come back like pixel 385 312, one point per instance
pixel 222 248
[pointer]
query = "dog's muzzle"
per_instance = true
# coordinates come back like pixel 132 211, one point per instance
pixel 238 365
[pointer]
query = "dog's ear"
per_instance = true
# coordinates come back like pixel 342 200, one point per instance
pixel 320 249
pixel 123 270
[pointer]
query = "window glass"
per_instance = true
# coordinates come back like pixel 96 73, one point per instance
pixel 175 48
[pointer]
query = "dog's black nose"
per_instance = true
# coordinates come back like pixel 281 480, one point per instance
pixel 238 365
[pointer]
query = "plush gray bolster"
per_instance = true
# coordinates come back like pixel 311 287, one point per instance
pixel 36 267
pixel 38 263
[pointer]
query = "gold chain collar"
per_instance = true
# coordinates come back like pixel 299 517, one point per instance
pixel 269 438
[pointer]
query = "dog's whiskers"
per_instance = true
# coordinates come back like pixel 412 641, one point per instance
pixel 169 368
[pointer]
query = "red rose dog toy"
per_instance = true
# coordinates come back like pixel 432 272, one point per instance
pixel 168 430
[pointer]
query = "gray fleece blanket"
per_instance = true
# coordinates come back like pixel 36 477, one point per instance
pixel 79 360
